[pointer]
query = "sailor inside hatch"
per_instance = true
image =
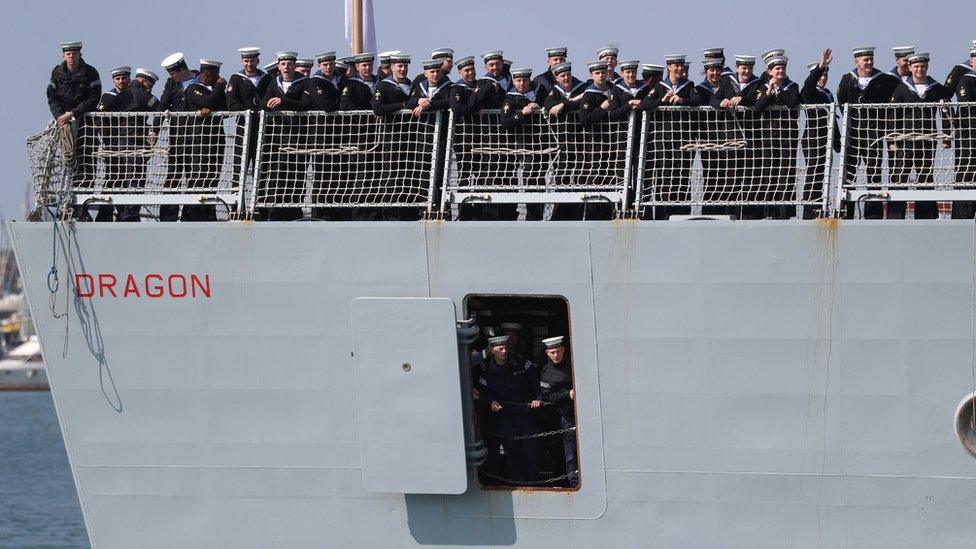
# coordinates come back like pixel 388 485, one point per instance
pixel 556 383
pixel 510 384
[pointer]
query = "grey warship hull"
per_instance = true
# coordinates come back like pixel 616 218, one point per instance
pixel 740 384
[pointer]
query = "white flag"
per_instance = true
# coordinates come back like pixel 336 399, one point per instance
pixel 369 32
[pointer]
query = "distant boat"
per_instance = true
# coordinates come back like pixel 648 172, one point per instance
pixel 22 369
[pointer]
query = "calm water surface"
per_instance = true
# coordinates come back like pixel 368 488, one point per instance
pixel 37 495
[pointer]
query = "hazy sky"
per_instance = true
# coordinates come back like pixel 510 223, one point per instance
pixel 143 33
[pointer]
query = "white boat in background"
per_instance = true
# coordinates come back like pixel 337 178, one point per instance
pixel 22 369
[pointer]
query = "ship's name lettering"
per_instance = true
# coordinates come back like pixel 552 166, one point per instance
pixel 150 285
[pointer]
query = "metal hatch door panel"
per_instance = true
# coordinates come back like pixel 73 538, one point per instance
pixel 408 394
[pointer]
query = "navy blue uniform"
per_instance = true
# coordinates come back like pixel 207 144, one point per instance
pixel 964 141
pixel 244 93
pixel 514 385
pixel 555 382
pixel 79 93
pixel 814 139
pixel 286 169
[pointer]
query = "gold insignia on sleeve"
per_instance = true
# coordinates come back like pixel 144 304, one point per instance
pixel 962 92
pixel 101 107
pixel 586 105
pixel 376 95
pixel 318 91
pixel 230 88
pixel 198 92
pixel 507 107
pixel 476 89
pixel 345 91
pixel 758 92
pixel 457 97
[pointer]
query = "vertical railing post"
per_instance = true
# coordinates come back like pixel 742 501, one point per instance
pixel 841 175
pixel 628 162
pixel 244 158
pixel 448 153
pixel 255 178
pixel 432 185
pixel 828 149
pixel 641 163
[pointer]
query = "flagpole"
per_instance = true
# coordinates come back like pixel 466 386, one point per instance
pixel 357 26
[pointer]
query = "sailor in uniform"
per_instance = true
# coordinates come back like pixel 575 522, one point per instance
pixel 627 94
pixel 651 74
pixel 673 131
pixel 510 385
pixel 917 155
pixel 595 103
pixel 285 171
pixel 492 87
pixel 780 136
pixel 433 93
pixel 391 96
pixel 358 93
pixel 522 105
pixel 742 90
pixel 303 66
pixel 865 130
pixel 815 131
pixel 324 88
pixel 598 138
pixel 964 135
pixel 463 88
pixel 73 91
pixel 114 134
pixel 446 58
pixel 206 96
pixel 179 151
pixel 384 68
pixel 245 88
pixel 957 71
pixel 712 125
pixel 711 54
pixel 463 108
pixel 901 70
pixel 136 134
pixel 766 55
pixel 565 96
pixel 544 83
pixel 608 54
pixel 556 384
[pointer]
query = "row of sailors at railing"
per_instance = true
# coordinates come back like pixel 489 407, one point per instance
pixel 605 96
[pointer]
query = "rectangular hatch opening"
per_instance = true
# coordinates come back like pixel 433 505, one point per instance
pixel 526 446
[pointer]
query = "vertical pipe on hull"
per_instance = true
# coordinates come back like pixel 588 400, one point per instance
pixel 474 448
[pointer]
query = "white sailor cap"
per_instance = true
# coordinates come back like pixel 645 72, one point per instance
pixel 652 68
pixel 491 55
pixel 321 57
pixel 607 51
pixel 510 327
pixel 630 64
pixel 508 62
pixel 921 57
pixel 712 53
pixel 119 71
pixel 432 64
pixel 815 64
pixel 745 60
pixel 386 55
pixel 565 66
pixel 70 46
pixel 972 52
pixel 776 61
pixel 772 53
pixel 342 65
pixel 974 44
pixel 464 62
pixel 146 73
pixel 209 65
pixel 249 52
pixel 596 66
pixel 521 72
pixel 173 61
pixel 863 51
pixel 441 53
pixel 557 51
pixel 272 66
pixel 675 59
pixel 365 57
pixel 497 341
pixel 713 63
pixel 399 57
pixel 304 62
pixel 286 56
pixel 553 342
pixel 903 51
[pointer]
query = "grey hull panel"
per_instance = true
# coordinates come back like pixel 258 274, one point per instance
pixel 740 384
